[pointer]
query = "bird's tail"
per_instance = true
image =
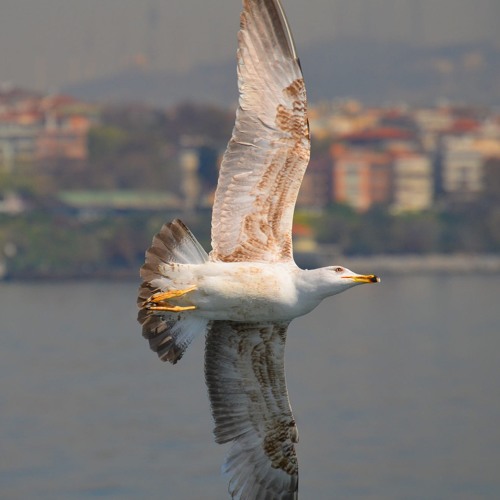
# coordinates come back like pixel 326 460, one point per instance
pixel 169 333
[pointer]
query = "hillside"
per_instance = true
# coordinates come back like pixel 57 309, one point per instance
pixel 348 67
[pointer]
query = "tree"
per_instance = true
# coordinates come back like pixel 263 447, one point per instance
pixel 105 141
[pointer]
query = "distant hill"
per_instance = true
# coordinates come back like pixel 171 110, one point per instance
pixel 373 71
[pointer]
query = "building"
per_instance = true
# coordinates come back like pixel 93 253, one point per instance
pixel 433 120
pixel 362 178
pixel 462 167
pixel 38 128
pixel 315 190
pixel 189 162
pixel 63 137
pixel 413 183
pixel 17 143
pixel 66 123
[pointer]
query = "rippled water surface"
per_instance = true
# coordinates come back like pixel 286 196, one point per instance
pixel 395 389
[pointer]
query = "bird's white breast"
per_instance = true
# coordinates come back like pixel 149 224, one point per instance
pixel 245 291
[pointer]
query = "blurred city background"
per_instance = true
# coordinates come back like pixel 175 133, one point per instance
pixel 114 117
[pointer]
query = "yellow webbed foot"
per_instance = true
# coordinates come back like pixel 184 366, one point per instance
pixel 170 308
pixel 159 301
pixel 169 294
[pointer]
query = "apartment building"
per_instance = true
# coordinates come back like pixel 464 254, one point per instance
pixel 461 167
pixel 413 185
pixel 362 178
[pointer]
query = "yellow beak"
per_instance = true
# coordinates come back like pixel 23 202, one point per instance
pixel 363 278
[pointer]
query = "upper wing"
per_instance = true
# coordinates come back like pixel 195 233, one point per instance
pixel 266 158
pixel 244 372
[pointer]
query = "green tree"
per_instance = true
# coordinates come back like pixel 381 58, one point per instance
pixel 105 141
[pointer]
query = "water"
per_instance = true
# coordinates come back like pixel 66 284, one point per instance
pixel 395 389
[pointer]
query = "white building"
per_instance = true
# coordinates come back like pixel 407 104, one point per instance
pixel 17 143
pixel 462 167
pixel 413 184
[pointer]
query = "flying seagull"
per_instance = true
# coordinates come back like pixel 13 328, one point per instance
pixel 246 291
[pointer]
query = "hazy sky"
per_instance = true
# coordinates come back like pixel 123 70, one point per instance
pixel 45 44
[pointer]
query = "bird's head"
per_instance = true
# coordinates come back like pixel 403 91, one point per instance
pixel 339 278
pixel 349 278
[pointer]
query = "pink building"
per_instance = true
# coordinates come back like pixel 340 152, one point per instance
pixel 362 178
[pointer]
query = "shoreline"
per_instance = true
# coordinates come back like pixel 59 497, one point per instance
pixel 387 264
pixel 411 263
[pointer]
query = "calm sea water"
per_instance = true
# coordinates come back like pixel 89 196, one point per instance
pixel 395 389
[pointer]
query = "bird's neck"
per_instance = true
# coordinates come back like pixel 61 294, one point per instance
pixel 314 283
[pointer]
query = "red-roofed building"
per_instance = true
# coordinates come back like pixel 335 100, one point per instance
pixel 464 126
pixel 35 127
pixel 64 137
pixel 378 134
pixel 362 178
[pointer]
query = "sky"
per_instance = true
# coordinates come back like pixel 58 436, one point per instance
pixel 46 44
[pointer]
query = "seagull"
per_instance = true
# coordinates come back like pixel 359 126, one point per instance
pixel 244 294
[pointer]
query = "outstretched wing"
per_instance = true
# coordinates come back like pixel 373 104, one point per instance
pixel 268 153
pixel 244 372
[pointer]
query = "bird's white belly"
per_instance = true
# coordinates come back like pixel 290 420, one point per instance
pixel 245 292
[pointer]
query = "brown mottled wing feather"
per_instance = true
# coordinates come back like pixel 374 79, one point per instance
pixel 244 372
pixel 266 158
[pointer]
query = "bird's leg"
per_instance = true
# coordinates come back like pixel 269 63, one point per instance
pixel 170 308
pixel 169 294
pixel 159 301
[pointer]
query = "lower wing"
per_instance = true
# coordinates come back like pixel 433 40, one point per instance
pixel 245 376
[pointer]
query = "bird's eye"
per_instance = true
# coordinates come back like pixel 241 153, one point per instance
pixel 338 269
